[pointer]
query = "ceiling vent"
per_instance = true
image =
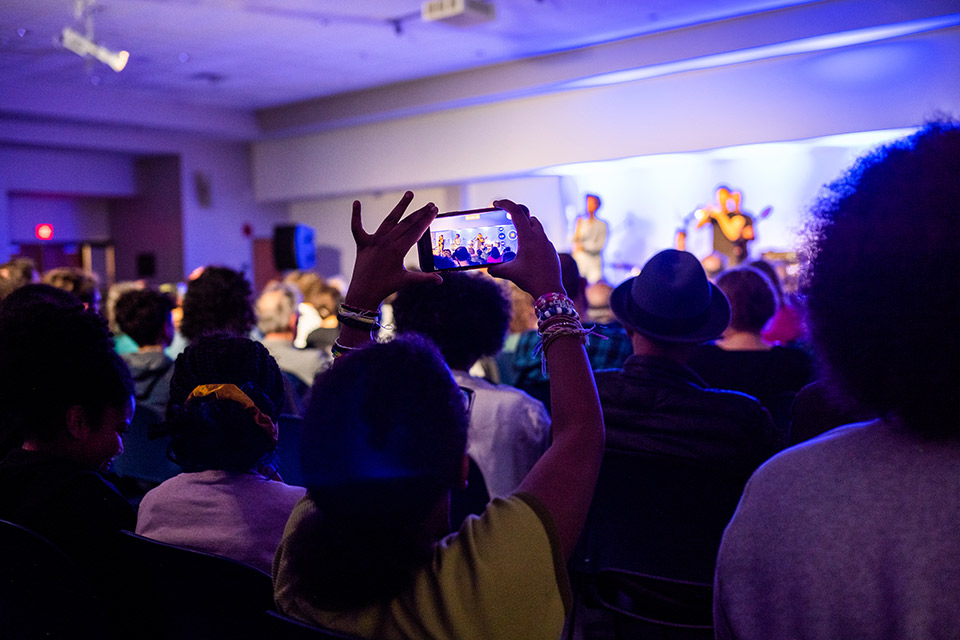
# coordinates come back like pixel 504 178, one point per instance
pixel 459 13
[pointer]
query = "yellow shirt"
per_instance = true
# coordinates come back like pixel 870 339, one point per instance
pixel 500 576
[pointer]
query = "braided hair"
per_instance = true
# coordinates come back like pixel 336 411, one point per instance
pixel 210 433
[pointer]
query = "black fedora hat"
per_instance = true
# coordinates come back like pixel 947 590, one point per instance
pixel 672 300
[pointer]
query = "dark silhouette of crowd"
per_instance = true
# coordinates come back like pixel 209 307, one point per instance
pixel 676 456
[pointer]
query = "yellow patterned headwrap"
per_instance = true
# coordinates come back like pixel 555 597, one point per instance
pixel 233 392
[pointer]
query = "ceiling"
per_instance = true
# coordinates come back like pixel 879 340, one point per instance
pixel 254 54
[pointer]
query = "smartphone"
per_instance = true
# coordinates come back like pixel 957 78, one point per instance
pixel 459 240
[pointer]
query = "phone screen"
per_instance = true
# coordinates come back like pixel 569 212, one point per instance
pixel 468 240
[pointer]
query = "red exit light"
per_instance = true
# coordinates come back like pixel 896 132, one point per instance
pixel 44 231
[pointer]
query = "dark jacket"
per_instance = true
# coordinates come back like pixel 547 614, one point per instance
pixel 677 457
pixel 659 406
pixel 72 506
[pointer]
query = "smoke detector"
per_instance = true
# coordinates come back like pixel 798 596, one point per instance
pixel 459 13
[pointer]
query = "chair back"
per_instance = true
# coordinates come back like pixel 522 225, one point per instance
pixel 658 516
pixel 280 627
pixel 145 458
pixel 43 594
pixel 656 608
pixel 289 433
pixel 184 594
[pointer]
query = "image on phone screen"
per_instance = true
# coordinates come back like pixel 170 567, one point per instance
pixel 468 240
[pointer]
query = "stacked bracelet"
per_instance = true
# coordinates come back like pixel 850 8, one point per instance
pixel 551 305
pixel 357 318
pixel 557 317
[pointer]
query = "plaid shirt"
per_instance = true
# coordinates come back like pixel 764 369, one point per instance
pixel 606 352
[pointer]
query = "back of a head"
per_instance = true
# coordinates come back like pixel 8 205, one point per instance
pixel 55 355
pixel 768 270
pixel 467 315
pixel 212 433
pixel 114 293
pixel 573 283
pixel 753 300
pixel 384 439
pixel 19 272
pixel 80 283
pixel 143 314
pixel 275 306
pixel 217 301
pixel 881 284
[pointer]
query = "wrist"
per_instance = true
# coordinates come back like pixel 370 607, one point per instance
pixel 360 300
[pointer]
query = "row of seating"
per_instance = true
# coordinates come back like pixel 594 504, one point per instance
pixel 160 592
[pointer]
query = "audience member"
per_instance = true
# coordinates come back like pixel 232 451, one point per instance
pixel 16 273
pixel 852 534
pixel 68 398
pixel 225 398
pixel 523 318
pixel 122 343
pixel 219 300
pixel 384 444
pixel 607 346
pixel 598 302
pixel 83 284
pixel 659 413
pixel 741 360
pixel 277 316
pixel 820 407
pixel 462 257
pixel 656 403
pixel 467 315
pixel 786 327
pixel 145 316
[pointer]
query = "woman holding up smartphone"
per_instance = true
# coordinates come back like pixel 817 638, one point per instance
pixel 367 551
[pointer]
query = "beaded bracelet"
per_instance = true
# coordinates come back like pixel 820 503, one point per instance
pixel 554 304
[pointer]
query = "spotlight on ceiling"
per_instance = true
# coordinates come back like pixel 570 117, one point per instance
pixel 459 13
pixel 83 46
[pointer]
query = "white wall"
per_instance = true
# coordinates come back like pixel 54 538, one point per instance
pixel 215 234
pixel 895 83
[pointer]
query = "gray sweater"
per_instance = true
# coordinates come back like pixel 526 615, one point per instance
pixel 850 535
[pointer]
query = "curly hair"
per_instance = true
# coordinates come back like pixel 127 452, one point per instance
pixel 752 297
pixel 377 447
pixel 142 314
pixel 210 433
pixel 218 301
pixel 467 316
pixel 80 283
pixel 55 355
pixel 881 279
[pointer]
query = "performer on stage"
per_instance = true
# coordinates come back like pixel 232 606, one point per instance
pixel 589 236
pixel 440 243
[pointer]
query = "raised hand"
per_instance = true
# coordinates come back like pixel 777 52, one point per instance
pixel 378 270
pixel 536 269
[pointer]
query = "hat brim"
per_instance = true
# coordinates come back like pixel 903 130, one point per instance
pixel 715 320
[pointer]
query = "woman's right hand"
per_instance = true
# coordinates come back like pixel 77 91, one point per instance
pixel 536 269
